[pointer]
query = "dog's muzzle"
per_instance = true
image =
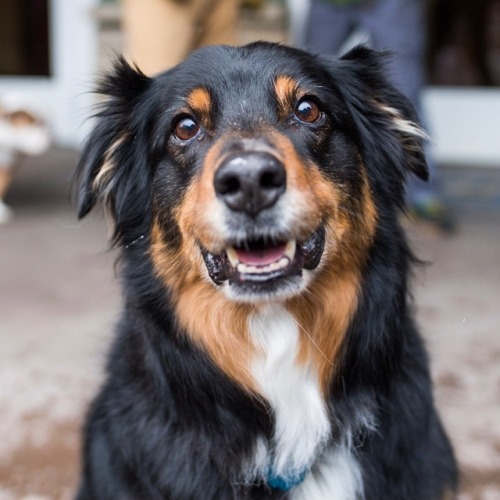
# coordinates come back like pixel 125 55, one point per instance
pixel 260 261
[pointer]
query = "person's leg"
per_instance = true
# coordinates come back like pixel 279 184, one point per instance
pixel 399 26
pixel 328 26
pixel 158 33
pixel 161 33
pixel 217 21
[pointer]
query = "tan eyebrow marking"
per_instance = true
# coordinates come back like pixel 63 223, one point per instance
pixel 287 90
pixel 200 101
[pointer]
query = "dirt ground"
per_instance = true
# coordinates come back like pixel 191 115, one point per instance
pixel 59 299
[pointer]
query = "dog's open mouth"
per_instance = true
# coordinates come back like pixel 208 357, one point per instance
pixel 265 261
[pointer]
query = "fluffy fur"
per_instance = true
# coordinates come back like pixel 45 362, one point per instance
pixel 267 347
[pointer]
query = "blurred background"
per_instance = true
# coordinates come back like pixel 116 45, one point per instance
pixel 59 297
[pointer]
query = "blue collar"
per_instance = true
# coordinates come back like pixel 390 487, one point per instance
pixel 285 483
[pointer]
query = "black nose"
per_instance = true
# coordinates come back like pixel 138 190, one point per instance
pixel 250 182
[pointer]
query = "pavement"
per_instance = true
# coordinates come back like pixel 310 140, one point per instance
pixel 59 299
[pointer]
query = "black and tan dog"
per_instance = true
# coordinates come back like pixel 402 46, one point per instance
pixel 267 347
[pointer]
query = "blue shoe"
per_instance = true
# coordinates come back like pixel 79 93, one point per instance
pixel 432 211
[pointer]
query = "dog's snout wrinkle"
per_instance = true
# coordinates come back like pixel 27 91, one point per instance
pixel 250 182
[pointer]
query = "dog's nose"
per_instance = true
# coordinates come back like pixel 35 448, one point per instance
pixel 250 182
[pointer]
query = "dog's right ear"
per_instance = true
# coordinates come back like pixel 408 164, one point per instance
pixel 102 170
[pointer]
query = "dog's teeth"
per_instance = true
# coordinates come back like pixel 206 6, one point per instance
pixel 290 249
pixel 242 268
pixel 283 262
pixel 275 266
pixel 232 256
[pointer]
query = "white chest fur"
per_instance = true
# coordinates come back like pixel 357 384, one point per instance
pixel 336 477
pixel 302 425
pixel 292 389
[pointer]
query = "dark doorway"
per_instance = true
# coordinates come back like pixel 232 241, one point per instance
pixel 464 42
pixel 24 38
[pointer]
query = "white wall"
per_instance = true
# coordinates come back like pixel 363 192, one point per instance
pixel 73 57
pixel 464 124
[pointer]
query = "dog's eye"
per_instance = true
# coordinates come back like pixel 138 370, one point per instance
pixel 307 111
pixel 186 128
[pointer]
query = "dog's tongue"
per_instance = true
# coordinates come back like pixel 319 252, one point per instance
pixel 261 256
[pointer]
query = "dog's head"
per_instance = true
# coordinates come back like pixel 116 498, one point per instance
pixel 252 169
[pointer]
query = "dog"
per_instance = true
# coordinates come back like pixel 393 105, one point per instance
pixel 267 348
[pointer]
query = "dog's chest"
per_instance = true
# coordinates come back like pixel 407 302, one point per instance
pixel 302 426
pixel 301 421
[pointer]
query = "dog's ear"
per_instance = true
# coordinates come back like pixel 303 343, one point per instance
pixel 110 168
pixel 386 119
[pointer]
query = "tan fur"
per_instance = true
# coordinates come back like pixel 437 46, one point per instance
pixel 286 89
pixel 103 178
pixel 200 203
pixel 323 314
pixel 325 311
pixel 401 124
pixel 200 101
pixel 304 178
pixel 214 323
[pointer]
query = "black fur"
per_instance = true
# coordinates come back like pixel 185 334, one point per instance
pixel 168 424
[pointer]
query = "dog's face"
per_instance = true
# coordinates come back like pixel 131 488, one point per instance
pixel 254 154
pixel 253 169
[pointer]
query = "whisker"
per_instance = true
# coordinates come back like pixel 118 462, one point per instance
pixel 310 338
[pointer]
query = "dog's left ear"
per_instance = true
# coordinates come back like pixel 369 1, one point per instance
pixel 113 167
pixel 380 111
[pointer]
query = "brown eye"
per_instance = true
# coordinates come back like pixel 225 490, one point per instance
pixel 186 128
pixel 307 111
